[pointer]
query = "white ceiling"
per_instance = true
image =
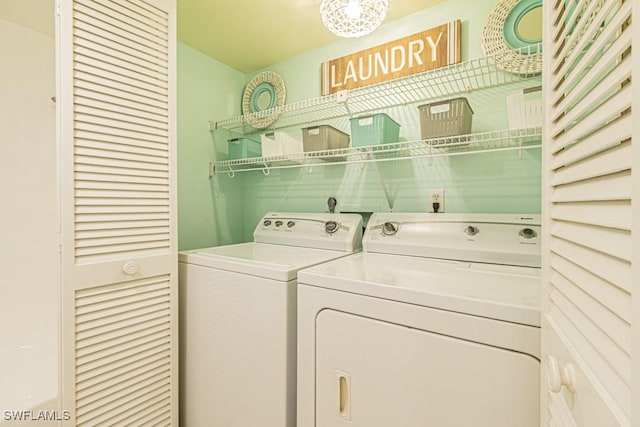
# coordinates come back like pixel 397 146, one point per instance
pixel 244 34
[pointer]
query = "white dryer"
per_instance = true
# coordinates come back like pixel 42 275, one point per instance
pixel 238 319
pixel 435 323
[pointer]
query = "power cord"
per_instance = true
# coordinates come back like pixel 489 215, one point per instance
pixel 436 207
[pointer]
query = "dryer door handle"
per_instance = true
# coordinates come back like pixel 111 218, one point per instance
pixel 343 385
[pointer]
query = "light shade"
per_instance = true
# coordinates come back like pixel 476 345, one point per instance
pixel 353 18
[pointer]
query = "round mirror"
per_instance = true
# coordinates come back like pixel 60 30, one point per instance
pixel 523 26
pixel 264 101
pixel 530 26
pixel 263 97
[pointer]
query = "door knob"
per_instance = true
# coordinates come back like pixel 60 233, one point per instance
pixel 130 268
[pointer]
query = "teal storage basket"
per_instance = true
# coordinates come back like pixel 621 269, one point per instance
pixel 374 129
pixel 243 147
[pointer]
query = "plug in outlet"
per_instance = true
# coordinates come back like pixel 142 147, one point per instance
pixel 436 200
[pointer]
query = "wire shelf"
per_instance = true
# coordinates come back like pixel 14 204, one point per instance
pixel 443 82
pixel 485 142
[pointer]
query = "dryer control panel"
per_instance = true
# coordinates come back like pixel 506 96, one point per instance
pixel 509 239
pixel 342 232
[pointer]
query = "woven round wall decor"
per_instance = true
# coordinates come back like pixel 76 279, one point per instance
pixel 267 85
pixel 503 43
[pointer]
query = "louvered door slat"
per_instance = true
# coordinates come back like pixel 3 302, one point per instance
pixel 93 90
pixel 612 161
pixel 118 356
pixel 583 79
pixel 604 87
pixel 93 105
pixel 145 70
pixel 588 212
pixel 608 187
pixel 97 377
pixel 119 152
pixel 111 24
pixel 104 226
pixel 142 9
pixel 122 115
pixel 614 242
pixel 594 119
pixel 611 332
pixel 117 98
pixel 614 214
pixel 118 178
pixel 112 412
pixel 149 332
pixel 154 416
pixel 119 160
pixel 131 124
pixel 614 270
pixel 606 137
pixel 126 13
pixel 114 390
pixel 86 66
pixel 585 63
pixel 614 299
pixel 85 97
pixel 118 40
pixel 593 13
pixel 126 54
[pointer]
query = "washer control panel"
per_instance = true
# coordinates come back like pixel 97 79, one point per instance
pixel 509 239
pixel 322 231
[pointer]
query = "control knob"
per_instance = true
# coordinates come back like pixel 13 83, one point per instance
pixel 331 227
pixel 471 230
pixel 390 228
pixel 267 222
pixel 528 233
pixel 279 223
pixel 290 224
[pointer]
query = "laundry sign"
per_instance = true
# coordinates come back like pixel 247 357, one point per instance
pixel 427 50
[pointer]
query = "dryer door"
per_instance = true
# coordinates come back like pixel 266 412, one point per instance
pixel 371 373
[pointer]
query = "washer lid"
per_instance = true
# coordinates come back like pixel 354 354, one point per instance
pixel 277 262
pixel 494 291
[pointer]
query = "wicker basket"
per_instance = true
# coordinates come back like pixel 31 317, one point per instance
pixel 526 60
pixel 445 118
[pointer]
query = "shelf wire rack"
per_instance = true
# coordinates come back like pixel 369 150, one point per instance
pixel 485 142
pixel 430 85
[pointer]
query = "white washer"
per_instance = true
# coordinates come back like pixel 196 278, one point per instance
pixel 238 319
pixel 435 323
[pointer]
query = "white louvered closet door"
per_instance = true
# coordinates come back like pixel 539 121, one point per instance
pixel 590 132
pixel 116 98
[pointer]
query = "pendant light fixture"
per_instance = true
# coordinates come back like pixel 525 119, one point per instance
pixel 353 18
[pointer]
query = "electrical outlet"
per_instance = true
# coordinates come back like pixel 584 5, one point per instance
pixel 436 196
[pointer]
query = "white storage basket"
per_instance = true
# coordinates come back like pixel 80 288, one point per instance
pixel 524 108
pixel 279 143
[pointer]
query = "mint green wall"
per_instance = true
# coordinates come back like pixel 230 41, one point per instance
pixel 490 182
pixel 206 89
